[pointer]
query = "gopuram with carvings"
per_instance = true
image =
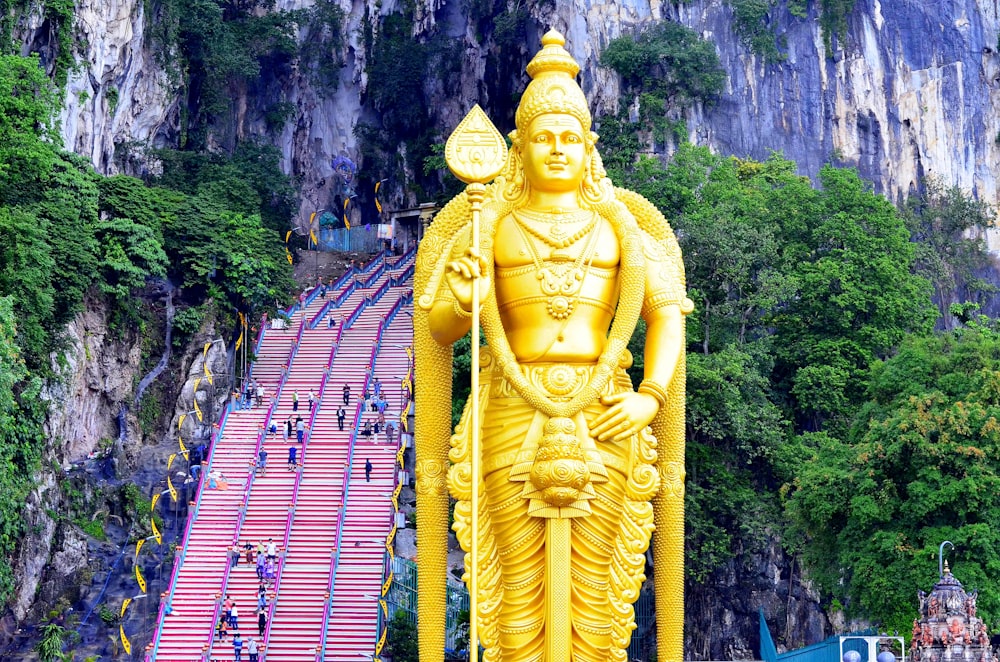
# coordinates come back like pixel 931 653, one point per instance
pixel 559 468
pixel 948 629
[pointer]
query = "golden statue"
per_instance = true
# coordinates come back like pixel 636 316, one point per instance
pixel 575 466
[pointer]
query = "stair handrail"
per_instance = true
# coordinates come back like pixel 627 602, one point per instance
pixel 335 302
pixel 344 277
pixel 381 630
pixel 374 262
pixel 295 496
pixel 192 515
pixel 347 487
pixel 356 313
pixel 335 555
pixel 241 517
pixel 389 556
pixel 314 320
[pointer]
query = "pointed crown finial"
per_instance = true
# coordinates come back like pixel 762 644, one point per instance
pixel 553 88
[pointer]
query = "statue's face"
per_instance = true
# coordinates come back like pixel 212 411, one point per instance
pixel 554 154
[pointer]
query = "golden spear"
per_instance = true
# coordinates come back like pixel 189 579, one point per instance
pixel 475 153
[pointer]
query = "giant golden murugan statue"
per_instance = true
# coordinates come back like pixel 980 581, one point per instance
pixel 575 466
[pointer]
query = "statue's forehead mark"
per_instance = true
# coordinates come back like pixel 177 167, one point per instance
pixel 556 121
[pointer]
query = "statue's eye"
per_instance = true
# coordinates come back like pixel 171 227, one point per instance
pixel 573 138
pixel 541 138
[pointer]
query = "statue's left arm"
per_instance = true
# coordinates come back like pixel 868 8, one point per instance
pixel 663 309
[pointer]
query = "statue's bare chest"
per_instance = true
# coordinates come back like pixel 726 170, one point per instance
pixel 521 242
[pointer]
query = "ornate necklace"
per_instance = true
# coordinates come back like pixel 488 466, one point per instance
pixel 557 233
pixel 559 281
pixel 633 269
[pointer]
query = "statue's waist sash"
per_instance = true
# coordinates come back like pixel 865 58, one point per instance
pixel 561 382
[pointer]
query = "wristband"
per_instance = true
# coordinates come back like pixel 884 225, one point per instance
pixel 655 390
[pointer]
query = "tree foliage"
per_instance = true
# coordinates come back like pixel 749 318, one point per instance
pixel 950 251
pixel 67 234
pixel 799 291
pixel 919 467
pixel 668 60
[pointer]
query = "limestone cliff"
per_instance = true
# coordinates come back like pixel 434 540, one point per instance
pixel 911 89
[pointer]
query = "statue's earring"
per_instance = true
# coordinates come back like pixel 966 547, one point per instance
pixel 515 175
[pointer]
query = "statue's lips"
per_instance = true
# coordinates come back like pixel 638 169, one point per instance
pixel 556 165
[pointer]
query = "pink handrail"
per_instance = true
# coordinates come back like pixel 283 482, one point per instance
pixel 295 493
pixel 251 477
pixel 191 517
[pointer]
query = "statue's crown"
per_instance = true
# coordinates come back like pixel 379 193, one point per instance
pixel 553 88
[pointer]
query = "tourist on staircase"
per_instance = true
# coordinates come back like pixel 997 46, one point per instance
pixel 237 647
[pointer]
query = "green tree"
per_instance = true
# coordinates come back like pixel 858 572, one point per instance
pixel 856 297
pixel 21 414
pixel 130 253
pixel 403 639
pixel 946 224
pixel 919 467
pixel 669 60
pixel 26 267
pixel 27 109
pixel 50 646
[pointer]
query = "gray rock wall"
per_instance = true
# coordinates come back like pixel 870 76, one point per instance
pixel 912 90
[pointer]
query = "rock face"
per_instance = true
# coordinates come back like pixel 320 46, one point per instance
pixel 912 89
pixel 96 375
pixel 722 614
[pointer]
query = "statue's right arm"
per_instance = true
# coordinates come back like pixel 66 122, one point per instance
pixel 450 316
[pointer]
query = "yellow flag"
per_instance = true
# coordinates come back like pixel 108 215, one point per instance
pixel 347 223
pixel 173 490
pixel 347 201
pixel 170 460
pixel 152 504
pixel 180 421
pixel 239 341
pixel 287 235
pixel 288 256
pixel 311 217
pixel 194 397
pixel 204 362
pixel 125 603
pixel 184 449
pixel 156 531
pixel 378 205
pixel 312 235
pixel 139 578
pixel 138 571
pixel 126 644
